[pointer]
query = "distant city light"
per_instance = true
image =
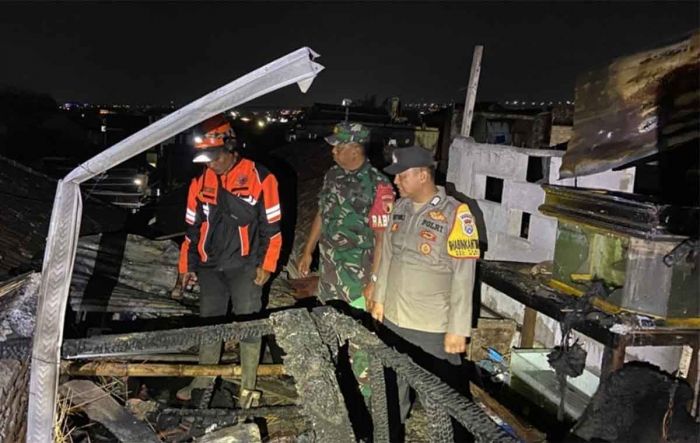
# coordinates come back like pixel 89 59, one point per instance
pixel 245 119
pixel 261 123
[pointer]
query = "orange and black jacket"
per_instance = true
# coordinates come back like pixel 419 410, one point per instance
pixel 232 220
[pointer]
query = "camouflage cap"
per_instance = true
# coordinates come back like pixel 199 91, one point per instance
pixel 347 132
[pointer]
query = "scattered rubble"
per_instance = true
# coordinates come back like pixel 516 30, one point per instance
pixel 99 405
pixel 18 298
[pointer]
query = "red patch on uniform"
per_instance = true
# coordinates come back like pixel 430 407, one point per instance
pixel 425 248
pixel 428 235
pixel 241 180
pixel 394 227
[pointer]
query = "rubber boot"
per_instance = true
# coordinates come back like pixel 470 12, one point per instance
pixel 209 354
pixel 250 357
pixel 185 394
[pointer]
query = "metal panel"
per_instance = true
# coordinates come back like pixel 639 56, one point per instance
pixel 51 309
pixel 636 107
pixel 296 67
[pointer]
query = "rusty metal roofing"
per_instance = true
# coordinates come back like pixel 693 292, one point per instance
pixel 636 107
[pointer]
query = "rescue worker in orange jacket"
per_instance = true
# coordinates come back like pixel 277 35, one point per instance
pixel 232 243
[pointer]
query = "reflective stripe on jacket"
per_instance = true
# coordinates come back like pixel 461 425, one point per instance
pixel 220 232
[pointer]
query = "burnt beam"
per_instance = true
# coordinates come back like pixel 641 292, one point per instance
pixel 159 341
pixel 309 361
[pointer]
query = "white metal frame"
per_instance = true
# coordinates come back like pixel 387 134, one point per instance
pixel 296 67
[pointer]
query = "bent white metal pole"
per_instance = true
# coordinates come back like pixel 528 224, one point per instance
pixel 296 67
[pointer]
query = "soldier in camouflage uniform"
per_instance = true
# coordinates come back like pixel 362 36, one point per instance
pixel 354 206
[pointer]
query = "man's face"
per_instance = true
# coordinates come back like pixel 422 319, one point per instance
pixel 344 154
pixel 223 162
pixel 410 181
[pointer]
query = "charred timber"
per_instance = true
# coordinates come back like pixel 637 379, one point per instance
pixel 437 397
pixel 308 360
pixel 159 341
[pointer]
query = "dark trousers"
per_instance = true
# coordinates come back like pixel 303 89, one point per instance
pixel 218 289
pixel 427 350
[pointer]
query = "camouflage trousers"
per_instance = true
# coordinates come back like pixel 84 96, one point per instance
pixel 342 277
pixel 342 273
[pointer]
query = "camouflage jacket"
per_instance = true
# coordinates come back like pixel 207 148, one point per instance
pixel 352 204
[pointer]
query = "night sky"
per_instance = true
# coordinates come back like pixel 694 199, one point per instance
pixel 156 52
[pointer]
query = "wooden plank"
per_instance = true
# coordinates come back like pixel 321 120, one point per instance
pixel 121 369
pixel 527 333
pixel 273 386
pixel 525 431
pixel 613 359
pixel 101 407
pixel 470 99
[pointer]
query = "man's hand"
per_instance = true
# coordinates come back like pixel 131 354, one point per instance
pixel 455 344
pixel 188 279
pixel 304 264
pixel 261 276
pixel 367 293
pixel 378 311
pixel 183 280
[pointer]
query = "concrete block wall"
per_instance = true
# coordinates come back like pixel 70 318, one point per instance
pixel 469 166
pixel 473 164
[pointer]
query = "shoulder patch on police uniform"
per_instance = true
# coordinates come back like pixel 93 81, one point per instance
pixel 463 241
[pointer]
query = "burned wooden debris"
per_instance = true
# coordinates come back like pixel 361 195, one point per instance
pixel 158 341
pixel 440 401
pixel 309 362
pixel 310 341
pixel 101 407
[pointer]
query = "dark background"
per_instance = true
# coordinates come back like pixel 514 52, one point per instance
pixel 158 52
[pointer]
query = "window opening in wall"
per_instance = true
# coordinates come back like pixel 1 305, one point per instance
pixel 494 189
pixel 535 169
pixel 525 225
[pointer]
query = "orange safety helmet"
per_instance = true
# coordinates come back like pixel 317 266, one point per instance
pixel 218 136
